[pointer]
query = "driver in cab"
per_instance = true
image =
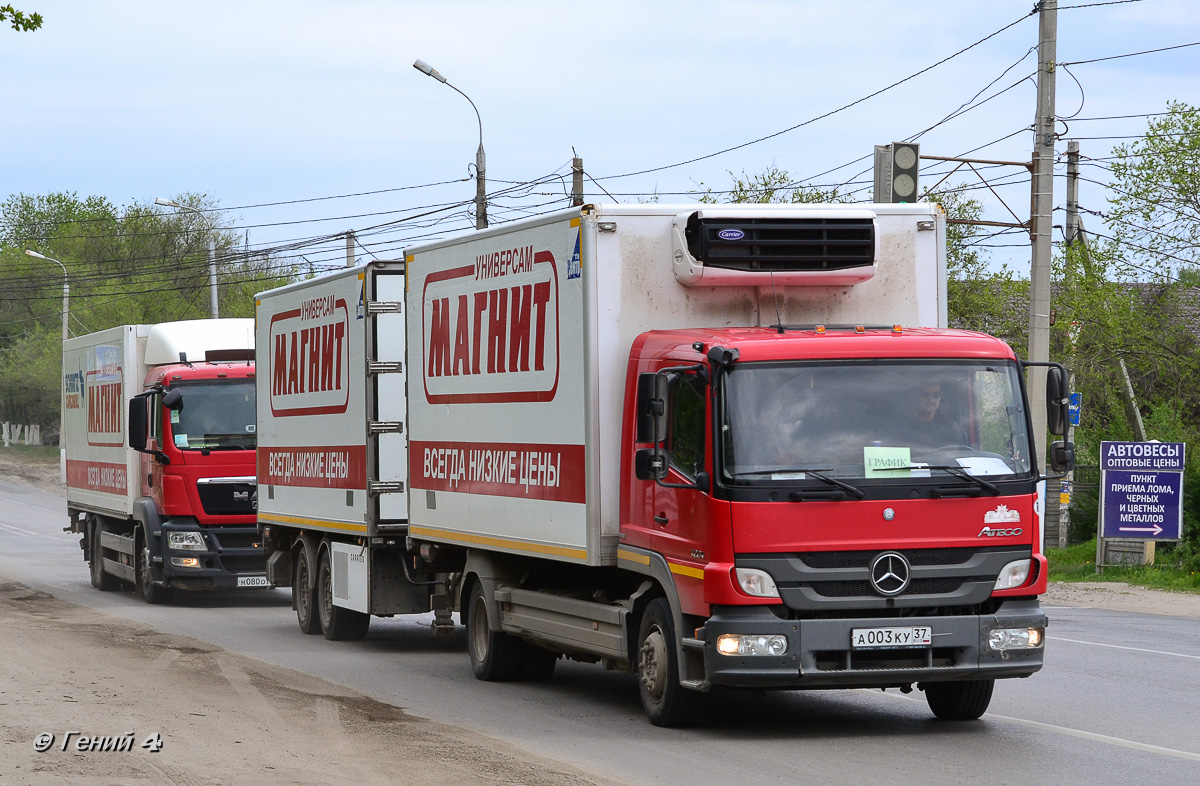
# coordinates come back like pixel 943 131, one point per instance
pixel 929 425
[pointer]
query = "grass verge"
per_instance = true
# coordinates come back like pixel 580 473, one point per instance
pixel 1174 568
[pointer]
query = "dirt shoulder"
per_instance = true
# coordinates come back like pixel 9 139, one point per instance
pixel 221 718
pixel 39 471
pixel 1119 596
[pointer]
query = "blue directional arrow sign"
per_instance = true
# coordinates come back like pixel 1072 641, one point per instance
pixel 1141 490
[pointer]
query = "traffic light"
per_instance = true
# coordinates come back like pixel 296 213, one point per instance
pixel 896 168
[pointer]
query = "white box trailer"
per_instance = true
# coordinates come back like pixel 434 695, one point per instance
pixel 100 372
pixel 520 339
pixel 332 441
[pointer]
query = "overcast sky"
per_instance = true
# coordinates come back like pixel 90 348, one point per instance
pixel 265 101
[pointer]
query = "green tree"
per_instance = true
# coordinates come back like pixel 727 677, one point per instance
pixel 771 185
pixel 1154 209
pixel 19 20
pixel 136 264
pixel 1130 298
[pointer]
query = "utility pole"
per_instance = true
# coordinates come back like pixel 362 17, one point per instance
pixel 1074 236
pixel 350 248
pixel 1043 205
pixel 576 181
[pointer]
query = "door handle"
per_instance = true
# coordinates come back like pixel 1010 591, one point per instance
pixel 661 518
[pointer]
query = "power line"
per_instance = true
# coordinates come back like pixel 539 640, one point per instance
pixel 1130 54
pixel 831 112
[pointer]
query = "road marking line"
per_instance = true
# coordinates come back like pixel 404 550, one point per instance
pixel 27 505
pixel 1119 647
pixel 1087 735
pixel 18 529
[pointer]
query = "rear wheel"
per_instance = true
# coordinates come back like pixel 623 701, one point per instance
pixel 665 700
pixel 337 623
pixel 495 656
pixel 959 701
pixel 105 582
pixel 304 591
pixel 150 592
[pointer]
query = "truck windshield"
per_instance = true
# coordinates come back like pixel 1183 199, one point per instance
pixel 871 420
pixel 216 415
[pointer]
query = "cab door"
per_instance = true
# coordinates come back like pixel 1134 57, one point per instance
pixel 681 511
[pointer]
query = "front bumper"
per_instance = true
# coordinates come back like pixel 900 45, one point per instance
pixel 819 654
pixel 231 553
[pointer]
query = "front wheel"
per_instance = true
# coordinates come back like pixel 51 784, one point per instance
pixel 665 700
pixel 495 656
pixel 150 592
pixel 337 623
pixel 959 701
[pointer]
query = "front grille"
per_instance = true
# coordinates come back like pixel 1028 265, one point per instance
pixel 227 499
pixel 942 580
pixel 825 560
pixel 782 245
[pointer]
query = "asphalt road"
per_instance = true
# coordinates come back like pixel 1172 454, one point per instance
pixel 1116 703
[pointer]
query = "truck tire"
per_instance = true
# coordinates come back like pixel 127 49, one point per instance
pixel 304 592
pixel 495 656
pixel 105 582
pixel 150 592
pixel 666 702
pixel 337 623
pixel 537 664
pixel 959 701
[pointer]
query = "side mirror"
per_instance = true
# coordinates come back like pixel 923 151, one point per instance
pixel 1057 400
pixel 652 393
pixel 173 399
pixel 1062 456
pixel 138 411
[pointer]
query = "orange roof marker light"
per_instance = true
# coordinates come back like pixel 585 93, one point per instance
pixel 821 329
pixel 860 328
pixel 897 329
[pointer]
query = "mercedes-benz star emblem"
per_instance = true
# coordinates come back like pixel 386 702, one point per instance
pixel 890 573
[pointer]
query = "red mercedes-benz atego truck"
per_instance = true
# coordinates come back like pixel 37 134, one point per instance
pixel 713 445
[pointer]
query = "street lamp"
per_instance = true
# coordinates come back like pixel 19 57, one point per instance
pixel 481 221
pixel 62 434
pixel 212 251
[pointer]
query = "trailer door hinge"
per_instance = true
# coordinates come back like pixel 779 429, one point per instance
pixel 385 426
pixel 385 367
pixel 383 306
pixel 385 487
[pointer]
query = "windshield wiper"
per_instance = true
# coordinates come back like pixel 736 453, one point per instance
pixel 959 472
pixel 816 473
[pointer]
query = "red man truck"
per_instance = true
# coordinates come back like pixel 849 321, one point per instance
pixel 713 445
pixel 160 444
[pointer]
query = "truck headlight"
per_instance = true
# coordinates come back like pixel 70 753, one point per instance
pixel 1002 639
pixel 738 644
pixel 185 562
pixel 186 541
pixel 1014 574
pixel 756 582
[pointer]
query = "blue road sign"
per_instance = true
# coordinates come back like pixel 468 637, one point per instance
pixel 1074 405
pixel 1141 490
